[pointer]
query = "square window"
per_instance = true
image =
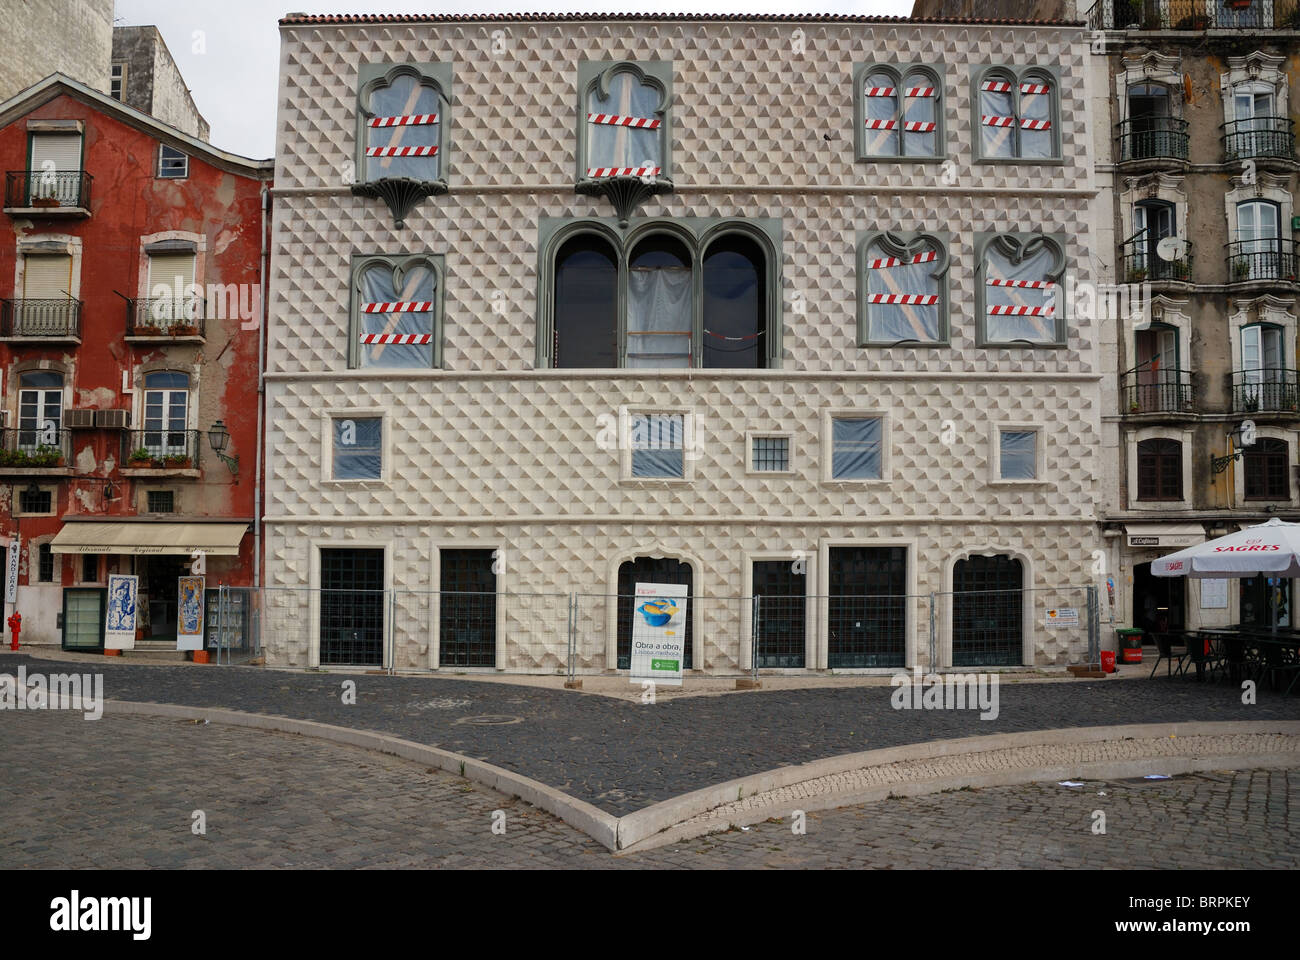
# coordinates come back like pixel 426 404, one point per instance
pixel 358 448
pixel 35 501
pixel 161 501
pixel 172 164
pixel 856 448
pixel 1018 454
pixel 771 454
pixel 658 444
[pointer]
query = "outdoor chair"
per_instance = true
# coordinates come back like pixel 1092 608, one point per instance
pixel 1173 648
pixel 1236 656
pixel 1204 655
pixel 1279 662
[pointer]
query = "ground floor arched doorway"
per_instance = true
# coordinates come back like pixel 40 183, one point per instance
pixel 651 570
pixel 988 612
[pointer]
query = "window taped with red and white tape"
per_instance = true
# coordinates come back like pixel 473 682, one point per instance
pixel 891 134
pixel 902 295
pixel 414 120
pixel 623 134
pixel 396 315
pixel 402 134
pixel 1020 302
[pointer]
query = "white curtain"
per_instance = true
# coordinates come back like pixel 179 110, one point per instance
pixel 613 146
pixel 377 286
pixel 659 317
pixel 1004 328
pixel 403 98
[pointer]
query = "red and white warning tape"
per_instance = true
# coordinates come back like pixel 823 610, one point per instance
pixel 1035 88
pixel 989 121
pixel 1001 311
pixel 413 120
pixel 623 171
pixel 890 91
pixel 995 86
pixel 1035 124
pixel 401 151
pixel 910 126
pixel 921 300
pixel 1023 284
pixel 643 123
pixel 419 339
pixel 398 306
pixel 927 257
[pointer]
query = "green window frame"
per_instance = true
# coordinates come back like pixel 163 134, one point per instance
pixel 1018 107
pixel 396 321
pixel 436 78
pixel 869 144
pixel 594 79
pixel 933 282
pixel 700 237
pixel 1015 249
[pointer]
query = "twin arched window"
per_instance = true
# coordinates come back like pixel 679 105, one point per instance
pixel 900 112
pixel 662 300
pixel 1017 114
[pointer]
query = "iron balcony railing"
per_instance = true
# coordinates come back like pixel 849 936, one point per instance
pixel 1259 137
pixel 1140 260
pixel 1269 389
pixel 40 318
pixel 165 317
pixel 1165 390
pixel 47 188
pixel 1194 15
pixel 1271 259
pixel 160 449
pixel 1152 138
pixel 35 445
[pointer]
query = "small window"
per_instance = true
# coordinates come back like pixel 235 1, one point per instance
pixel 1020 290
pixel 172 164
pixel 1267 470
pixel 161 501
pixel 1018 454
pixel 771 454
pixel 117 80
pixel 45 564
pixel 358 451
pixel 658 444
pixel 1160 469
pixel 35 501
pixel 1017 113
pixel 900 112
pixel 856 451
pixel 90 568
pixel 397 311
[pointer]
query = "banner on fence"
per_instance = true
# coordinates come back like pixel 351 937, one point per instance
pixel 658 632
pixel 1062 617
pixel 119 627
pixel 189 613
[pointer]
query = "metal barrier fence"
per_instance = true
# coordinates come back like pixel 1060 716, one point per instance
pixel 590 633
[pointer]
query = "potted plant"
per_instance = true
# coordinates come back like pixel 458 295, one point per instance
pixel 176 461
pixel 1251 404
pixel 1137 274
pixel 1241 269
pixel 1134 407
pixel 184 330
pixel 1181 270
pixel 140 457
pixel 46 456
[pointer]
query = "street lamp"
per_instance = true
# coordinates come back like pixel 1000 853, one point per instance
pixel 219 438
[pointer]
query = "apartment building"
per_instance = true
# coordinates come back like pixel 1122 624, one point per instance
pixel 129 333
pixel 1196 152
pixel 765 306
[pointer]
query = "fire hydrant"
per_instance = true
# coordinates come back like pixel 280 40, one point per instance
pixel 15 627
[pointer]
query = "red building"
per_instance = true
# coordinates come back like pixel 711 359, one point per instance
pixel 130 328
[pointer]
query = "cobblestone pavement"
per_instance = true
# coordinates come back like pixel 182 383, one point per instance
pixel 624 756
pixel 121 793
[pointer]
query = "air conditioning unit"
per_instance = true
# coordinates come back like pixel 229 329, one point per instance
pixel 79 419
pixel 112 419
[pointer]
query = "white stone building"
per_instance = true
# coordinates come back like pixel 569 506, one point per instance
pixel 727 389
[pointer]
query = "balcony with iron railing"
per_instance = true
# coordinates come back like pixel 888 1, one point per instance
pixel 55 193
pixel 1267 262
pixel 42 321
pixel 1199 15
pixel 1267 390
pixel 1166 390
pixel 1259 138
pixel 1141 261
pixel 1153 140
pixel 166 320
pixel 33 448
pixel 157 452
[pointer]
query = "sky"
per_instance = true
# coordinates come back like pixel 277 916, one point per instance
pixel 228 51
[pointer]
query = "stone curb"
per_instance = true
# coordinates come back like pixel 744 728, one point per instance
pixel 595 823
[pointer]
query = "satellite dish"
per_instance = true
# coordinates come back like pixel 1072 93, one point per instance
pixel 1171 248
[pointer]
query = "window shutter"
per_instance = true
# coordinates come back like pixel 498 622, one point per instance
pixel 166 268
pixel 47 278
pixel 1250 349
pixel 63 149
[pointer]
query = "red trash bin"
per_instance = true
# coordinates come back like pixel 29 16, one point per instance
pixel 1108 661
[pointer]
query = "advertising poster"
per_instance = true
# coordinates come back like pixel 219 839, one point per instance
pixel 1062 617
pixel 189 613
pixel 119 631
pixel 659 632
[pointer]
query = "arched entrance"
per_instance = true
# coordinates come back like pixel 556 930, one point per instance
pixel 988 612
pixel 651 570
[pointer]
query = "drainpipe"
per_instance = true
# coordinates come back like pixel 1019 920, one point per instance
pixel 261 366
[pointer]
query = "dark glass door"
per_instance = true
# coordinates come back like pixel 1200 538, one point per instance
pixel 467 619
pixel 352 607
pixel 866 612
pixel 651 570
pixel 987 612
pixel 781 614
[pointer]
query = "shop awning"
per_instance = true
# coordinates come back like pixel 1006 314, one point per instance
pixel 218 539
pixel 1164 534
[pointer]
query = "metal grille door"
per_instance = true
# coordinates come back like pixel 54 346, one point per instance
pixel 651 570
pixel 352 607
pixel 467 624
pixel 866 611
pixel 782 613
pixel 987 612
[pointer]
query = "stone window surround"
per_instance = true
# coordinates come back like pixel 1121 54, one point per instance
pixel 943 648
pixel 886 417
pixel 1153 186
pixel 371 76
pixel 747 611
pixel 654 73
pixel 361 261
pixel 327 418
pixel 164 365
pixel 200 242
pixel 35 365
pixel 690 445
pixel 1269 432
pixel 657 551
pixel 48 243
pixel 934 73
pixel 1020 74
pixel 1255 67
pixel 1263 310
pixel 33 547
pixel 995 454
pixel 1055 272
pixel 900 242
pixel 1266 187
pixel 1166 311
pixel 51 488
pixel 1151 67
pixel 1131 441
pixel 751 435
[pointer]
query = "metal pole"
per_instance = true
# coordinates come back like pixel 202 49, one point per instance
pixel 392 632
pixel 753 636
pixel 932 638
